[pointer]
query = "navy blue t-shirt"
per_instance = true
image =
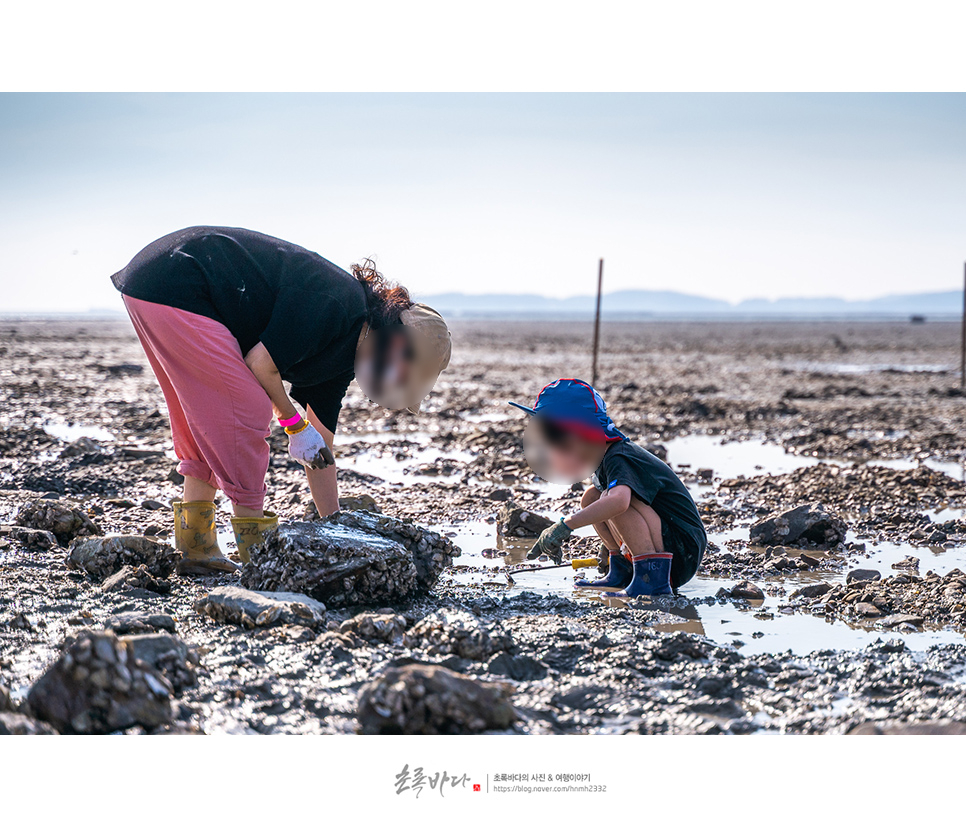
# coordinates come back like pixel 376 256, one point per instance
pixel 305 310
pixel 652 481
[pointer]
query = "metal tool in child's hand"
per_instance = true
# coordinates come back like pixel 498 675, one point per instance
pixel 576 564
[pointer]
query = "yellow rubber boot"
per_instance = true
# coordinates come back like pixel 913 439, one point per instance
pixel 249 531
pixel 195 537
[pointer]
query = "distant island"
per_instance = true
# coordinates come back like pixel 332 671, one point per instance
pixel 634 304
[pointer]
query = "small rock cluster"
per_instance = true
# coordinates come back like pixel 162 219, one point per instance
pixel 808 525
pixel 451 631
pixel 427 700
pixel 375 628
pixel 904 599
pixel 881 502
pixel 122 562
pixel 99 685
pixel 58 518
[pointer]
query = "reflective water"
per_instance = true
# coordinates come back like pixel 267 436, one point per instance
pixel 770 626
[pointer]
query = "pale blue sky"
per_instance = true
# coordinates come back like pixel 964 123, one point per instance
pixel 733 196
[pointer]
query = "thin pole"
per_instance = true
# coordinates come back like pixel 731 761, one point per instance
pixel 962 355
pixel 600 284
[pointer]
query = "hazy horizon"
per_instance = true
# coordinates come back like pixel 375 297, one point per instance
pixel 730 196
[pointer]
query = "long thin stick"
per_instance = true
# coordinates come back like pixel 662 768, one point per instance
pixel 600 284
pixel 962 355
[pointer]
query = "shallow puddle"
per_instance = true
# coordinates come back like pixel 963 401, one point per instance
pixel 750 628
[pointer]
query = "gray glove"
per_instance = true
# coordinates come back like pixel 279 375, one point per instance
pixel 550 541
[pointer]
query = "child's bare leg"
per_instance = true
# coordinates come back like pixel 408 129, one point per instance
pixel 639 527
pixel 619 570
pixel 604 532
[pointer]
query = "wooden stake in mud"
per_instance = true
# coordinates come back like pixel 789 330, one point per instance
pixel 962 354
pixel 600 284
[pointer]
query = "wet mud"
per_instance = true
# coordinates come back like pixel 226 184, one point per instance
pixel 855 630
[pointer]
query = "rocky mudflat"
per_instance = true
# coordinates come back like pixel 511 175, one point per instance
pixel 826 459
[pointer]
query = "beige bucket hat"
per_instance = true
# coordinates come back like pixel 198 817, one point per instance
pixel 432 345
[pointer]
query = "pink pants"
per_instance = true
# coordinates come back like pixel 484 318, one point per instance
pixel 220 414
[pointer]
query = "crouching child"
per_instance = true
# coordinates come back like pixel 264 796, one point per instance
pixel 643 514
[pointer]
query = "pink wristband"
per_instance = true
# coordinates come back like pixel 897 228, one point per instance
pixel 290 421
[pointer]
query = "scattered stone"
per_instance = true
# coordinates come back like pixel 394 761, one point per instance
pixel 140 623
pixel 103 557
pixel 517 667
pixel 745 590
pixel 894 620
pixel 451 631
pixel 167 654
pixel 98 686
pixel 247 608
pixel 31 539
pixel 128 578
pixel 358 502
pixel 425 700
pixel 6 704
pixel 806 525
pixel 151 504
pixel 355 558
pixel 862 575
pixel 514 522
pixel 82 447
pixel 375 628
pixel 21 622
pixel 867 609
pixel 811 591
pixel 62 520
pixel 910 563
pixel 16 724
pixel 705 476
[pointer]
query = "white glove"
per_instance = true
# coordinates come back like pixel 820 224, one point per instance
pixel 308 447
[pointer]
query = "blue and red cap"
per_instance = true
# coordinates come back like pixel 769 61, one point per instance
pixel 574 404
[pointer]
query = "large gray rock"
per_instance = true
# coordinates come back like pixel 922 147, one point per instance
pixel 241 606
pixel 450 631
pixel 515 522
pixel 349 558
pixel 808 526
pixel 57 517
pixel 428 700
pixel 105 556
pixel 98 685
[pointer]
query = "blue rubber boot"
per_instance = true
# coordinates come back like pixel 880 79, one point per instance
pixel 652 576
pixel 619 575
